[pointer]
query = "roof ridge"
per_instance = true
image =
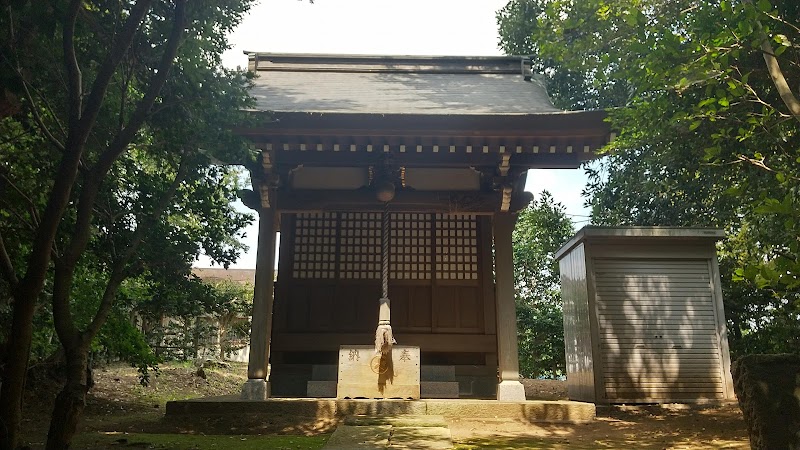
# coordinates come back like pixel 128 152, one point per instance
pixel 300 62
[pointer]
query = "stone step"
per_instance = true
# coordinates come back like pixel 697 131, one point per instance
pixel 321 389
pixel 428 389
pixel 438 389
pixel 437 373
pixel 404 431
pixel 287 385
pixel 348 437
pixel 477 386
pixel 330 372
pixel 404 420
pixel 324 372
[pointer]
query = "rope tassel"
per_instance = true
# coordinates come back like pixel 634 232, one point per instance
pixel 384 339
pixel 383 334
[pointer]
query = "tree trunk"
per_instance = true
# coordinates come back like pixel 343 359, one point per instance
pixel 71 401
pixel 221 342
pixel 16 366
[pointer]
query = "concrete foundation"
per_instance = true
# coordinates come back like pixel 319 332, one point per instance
pixel 510 391
pixel 323 409
pixel 321 389
pixel 255 390
pixel 439 389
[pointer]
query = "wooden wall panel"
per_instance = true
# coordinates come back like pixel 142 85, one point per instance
pixel 470 308
pixel 420 312
pixel 296 306
pixel 321 305
pixel 445 309
pixel 458 308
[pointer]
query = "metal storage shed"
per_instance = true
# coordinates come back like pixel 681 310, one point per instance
pixel 643 316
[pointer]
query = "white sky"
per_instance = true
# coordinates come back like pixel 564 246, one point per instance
pixel 385 27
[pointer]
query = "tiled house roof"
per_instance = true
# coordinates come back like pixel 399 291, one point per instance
pixel 397 85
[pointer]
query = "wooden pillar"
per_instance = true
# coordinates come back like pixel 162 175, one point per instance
pixel 257 385
pixel 509 388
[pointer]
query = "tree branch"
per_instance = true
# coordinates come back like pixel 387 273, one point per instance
pixel 38 119
pixel 6 267
pixel 118 271
pixel 109 66
pixel 123 138
pixel 74 77
pixel 32 206
pixel 776 74
pixel 62 314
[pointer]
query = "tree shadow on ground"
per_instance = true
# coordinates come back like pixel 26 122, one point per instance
pixel 639 427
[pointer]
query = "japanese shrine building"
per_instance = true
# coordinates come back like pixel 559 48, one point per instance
pixel 448 142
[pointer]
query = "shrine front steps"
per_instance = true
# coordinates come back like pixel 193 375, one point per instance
pixel 428 389
pixel 429 432
pixel 436 381
pixel 306 410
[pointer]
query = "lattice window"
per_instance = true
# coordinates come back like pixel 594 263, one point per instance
pixel 456 247
pixel 315 246
pixel 360 246
pixel 410 247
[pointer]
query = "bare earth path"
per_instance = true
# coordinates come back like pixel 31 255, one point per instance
pixel 118 405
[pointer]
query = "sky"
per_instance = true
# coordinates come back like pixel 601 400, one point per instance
pixel 385 27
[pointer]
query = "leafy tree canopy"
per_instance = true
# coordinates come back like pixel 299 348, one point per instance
pixel 707 128
pixel 118 110
pixel 542 228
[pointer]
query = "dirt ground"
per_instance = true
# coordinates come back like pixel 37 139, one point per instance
pixel 118 404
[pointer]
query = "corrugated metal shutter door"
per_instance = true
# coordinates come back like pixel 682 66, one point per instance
pixel 658 333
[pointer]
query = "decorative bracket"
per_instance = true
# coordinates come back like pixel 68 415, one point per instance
pixel 504 164
pixel 505 201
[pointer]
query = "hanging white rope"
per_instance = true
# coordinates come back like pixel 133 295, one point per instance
pixel 383 334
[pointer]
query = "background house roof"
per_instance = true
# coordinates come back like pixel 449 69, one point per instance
pixel 396 85
pixel 217 274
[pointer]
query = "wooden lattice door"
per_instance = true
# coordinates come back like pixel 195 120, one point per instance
pixel 331 281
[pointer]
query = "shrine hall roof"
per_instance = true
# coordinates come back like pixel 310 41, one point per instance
pixel 435 85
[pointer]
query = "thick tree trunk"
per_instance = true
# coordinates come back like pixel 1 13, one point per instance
pixel 16 366
pixel 71 401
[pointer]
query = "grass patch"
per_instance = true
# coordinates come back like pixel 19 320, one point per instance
pixel 197 442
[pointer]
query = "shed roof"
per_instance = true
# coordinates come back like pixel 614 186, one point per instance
pixel 428 85
pixel 591 232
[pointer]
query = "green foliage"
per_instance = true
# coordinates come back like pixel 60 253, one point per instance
pixel 542 228
pixel 184 317
pixel 705 136
pixel 188 128
pixel 121 339
pixel 107 170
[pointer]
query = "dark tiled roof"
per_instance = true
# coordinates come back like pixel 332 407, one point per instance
pixel 396 85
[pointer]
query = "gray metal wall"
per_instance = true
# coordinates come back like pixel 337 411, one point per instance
pixel 577 328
